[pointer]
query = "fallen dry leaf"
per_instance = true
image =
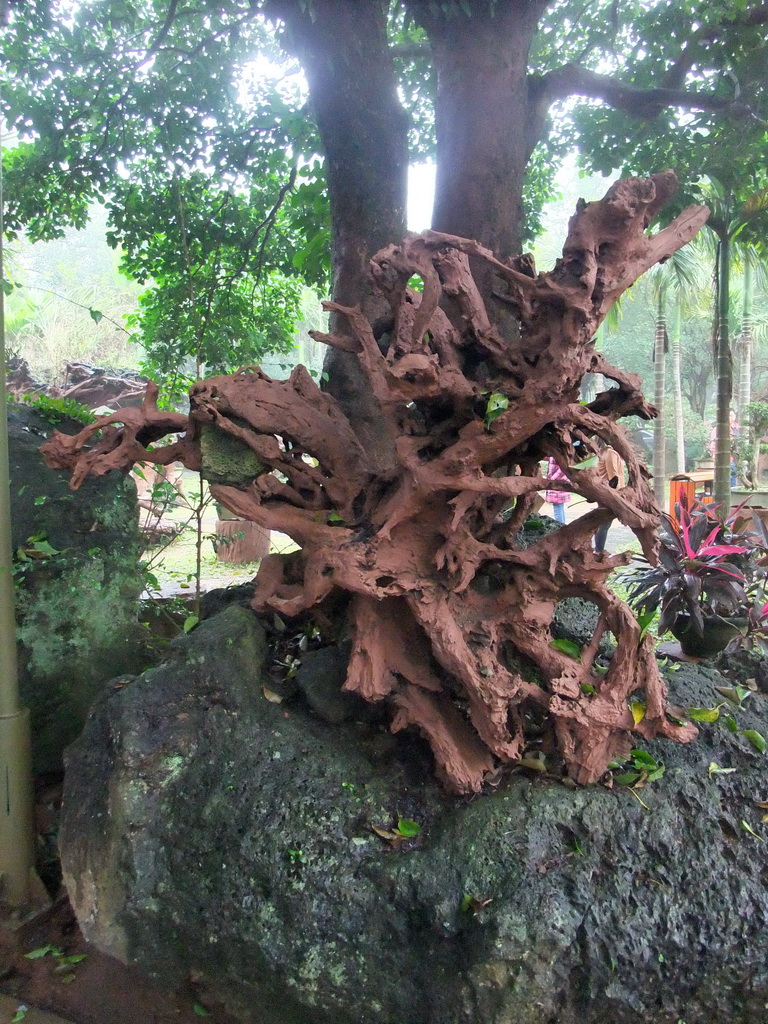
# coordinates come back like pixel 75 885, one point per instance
pixel 388 834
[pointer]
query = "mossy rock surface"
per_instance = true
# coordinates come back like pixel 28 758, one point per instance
pixel 78 585
pixel 226 459
pixel 208 830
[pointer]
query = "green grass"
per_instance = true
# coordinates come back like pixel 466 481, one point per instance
pixel 174 563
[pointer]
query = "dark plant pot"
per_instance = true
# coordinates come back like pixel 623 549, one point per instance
pixel 718 633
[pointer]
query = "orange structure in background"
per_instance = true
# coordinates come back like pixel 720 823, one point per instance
pixel 699 485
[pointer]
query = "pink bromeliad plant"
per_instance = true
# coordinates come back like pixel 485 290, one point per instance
pixel 711 568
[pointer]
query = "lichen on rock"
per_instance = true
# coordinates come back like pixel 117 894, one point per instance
pixel 227 459
pixel 208 830
pixel 78 586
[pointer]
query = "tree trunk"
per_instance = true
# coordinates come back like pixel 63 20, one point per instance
pixel 342 45
pixel 677 387
pixel 482 107
pixel 659 387
pixel 746 349
pixel 239 542
pixel 724 375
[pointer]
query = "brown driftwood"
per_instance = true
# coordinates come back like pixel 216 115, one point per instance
pixel 450 611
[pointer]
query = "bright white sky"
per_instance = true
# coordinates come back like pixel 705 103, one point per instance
pixel 421 194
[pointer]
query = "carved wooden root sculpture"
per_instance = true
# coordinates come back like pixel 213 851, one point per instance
pixel 450 610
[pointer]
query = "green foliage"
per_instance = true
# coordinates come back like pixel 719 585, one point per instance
pixel 573 650
pixel 65 964
pixel 207 170
pixel 112 93
pixel 738 202
pixel 539 185
pixel 402 835
pixel 756 739
pixel 697 434
pixel 718 159
pixel 496 405
pixel 208 159
pixel 750 831
pixel 720 51
pixel 708 565
pixel 406 828
pixel 412 58
pixel 224 290
pixel 641 768
pixel 757 413
pixel 137 91
pixel 218 331
pixel 57 409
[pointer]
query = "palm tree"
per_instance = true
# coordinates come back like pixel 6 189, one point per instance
pixel 675 280
pixel 732 217
pixel 754 277
pixel 746 340
pixel 677 385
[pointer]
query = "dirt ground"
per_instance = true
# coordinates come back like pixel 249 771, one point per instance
pixel 46 964
pixel 93 990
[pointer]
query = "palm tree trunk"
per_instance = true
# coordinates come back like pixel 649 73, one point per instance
pixel 746 349
pixel 724 376
pixel 597 379
pixel 677 387
pixel 659 441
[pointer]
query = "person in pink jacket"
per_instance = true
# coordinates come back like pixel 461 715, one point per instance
pixel 557 499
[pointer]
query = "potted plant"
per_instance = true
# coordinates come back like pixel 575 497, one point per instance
pixel 708 579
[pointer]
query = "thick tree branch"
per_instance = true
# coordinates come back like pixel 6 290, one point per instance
pixel 644 104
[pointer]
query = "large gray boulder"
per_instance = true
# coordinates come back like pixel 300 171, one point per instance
pixel 78 585
pixel 211 832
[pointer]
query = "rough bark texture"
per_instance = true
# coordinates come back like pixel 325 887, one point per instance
pixel 451 608
pixel 484 104
pixel 342 45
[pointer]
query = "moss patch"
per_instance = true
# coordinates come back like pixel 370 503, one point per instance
pixel 227 460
